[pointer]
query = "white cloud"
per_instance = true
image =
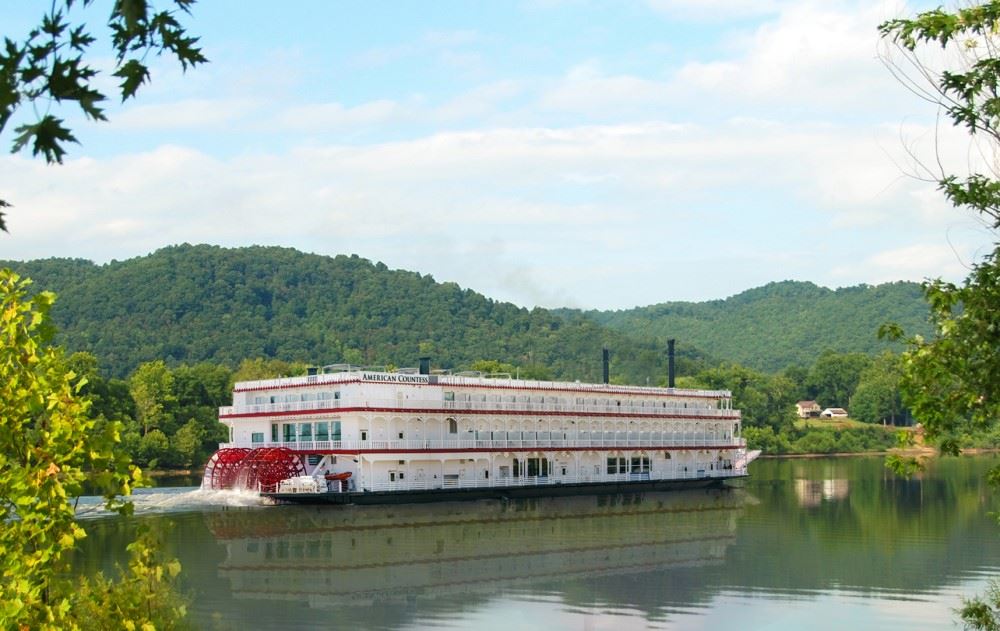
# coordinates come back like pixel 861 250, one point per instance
pixel 914 262
pixel 560 206
pixel 316 117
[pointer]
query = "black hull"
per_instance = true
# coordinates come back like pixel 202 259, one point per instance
pixel 451 495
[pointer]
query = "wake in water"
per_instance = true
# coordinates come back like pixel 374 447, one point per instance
pixel 173 500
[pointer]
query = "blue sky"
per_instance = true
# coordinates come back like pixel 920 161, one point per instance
pixel 591 154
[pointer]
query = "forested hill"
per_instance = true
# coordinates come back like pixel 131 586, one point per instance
pixel 779 324
pixel 205 303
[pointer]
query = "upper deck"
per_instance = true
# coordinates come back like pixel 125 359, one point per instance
pixel 361 389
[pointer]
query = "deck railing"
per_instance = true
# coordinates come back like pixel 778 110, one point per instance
pixel 408 405
pixel 664 441
pixel 690 472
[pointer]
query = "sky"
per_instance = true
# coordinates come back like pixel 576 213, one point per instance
pixel 556 153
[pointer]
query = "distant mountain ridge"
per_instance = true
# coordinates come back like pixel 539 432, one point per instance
pixel 206 303
pixel 780 324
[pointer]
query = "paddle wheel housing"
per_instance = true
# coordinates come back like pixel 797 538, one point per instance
pixel 222 467
pixel 263 468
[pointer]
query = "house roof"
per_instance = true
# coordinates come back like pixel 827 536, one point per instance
pixel 836 410
pixel 807 404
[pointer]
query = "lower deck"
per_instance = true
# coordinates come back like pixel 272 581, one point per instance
pixel 526 487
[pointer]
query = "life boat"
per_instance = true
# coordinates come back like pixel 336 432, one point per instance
pixel 337 476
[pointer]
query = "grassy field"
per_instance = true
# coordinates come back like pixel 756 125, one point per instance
pixel 838 423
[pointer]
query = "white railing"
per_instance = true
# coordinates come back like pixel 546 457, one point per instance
pixel 458 380
pixel 459 406
pixel 498 445
pixel 690 472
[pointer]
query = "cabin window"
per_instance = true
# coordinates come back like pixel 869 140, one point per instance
pixel 452 426
pixel 334 430
pixel 517 468
pixel 273 399
pixel 364 434
pixel 274 432
pixel 305 431
pixel 257 437
pixel 313 459
pixel 309 396
pixel 449 396
pixel 289 432
pixel 616 466
pixel 538 467
pixel 640 465
pixel 259 400
pixel 666 455
pixel 323 431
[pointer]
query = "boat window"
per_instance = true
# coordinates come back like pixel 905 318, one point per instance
pixel 452 426
pixel 257 437
pixel 309 396
pixel 259 400
pixel 334 430
pixel 323 431
pixel 449 396
pixel 305 431
pixel 666 455
pixel 616 466
pixel 289 432
pixel 640 464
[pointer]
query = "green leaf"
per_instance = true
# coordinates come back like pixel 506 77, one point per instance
pixel 133 75
pixel 46 137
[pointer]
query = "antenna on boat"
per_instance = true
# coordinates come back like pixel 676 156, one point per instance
pixel 670 363
pixel 606 362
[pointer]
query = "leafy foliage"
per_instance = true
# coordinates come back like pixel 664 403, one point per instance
pixel 50 448
pixel 190 304
pixel 780 324
pixel 48 67
pixel 953 378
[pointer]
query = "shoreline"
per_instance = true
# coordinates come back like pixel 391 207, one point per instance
pixel 919 452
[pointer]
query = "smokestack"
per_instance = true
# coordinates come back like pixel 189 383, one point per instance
pixel 425 365
pixel 312 370
pixel 606 360
pixel 670 363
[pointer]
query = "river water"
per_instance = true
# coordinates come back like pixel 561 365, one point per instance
pixel 806 543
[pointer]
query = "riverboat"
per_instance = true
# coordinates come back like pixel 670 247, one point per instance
pixel 349 435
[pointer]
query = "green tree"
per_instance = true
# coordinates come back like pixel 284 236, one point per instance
pixel 152 388
pixel 50 449
pixel 954 376
pixel 48 67
pixel 877 399
pixel 187 444
pixel 260 368
pixel 834 376
pixel 764 400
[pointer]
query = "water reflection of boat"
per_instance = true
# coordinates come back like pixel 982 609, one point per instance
pixel 364 554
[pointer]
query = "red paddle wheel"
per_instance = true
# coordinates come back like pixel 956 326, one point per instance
pixel 222 467
pixel 263 468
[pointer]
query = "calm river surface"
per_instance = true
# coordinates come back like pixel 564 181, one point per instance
pixel 817 544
